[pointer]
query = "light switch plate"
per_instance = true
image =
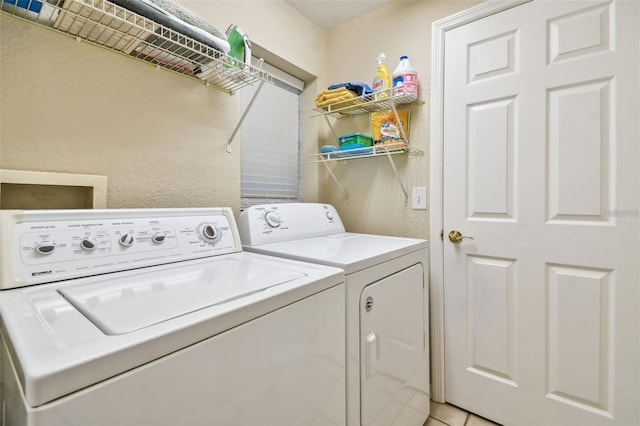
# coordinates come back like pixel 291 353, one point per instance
pixel 419 198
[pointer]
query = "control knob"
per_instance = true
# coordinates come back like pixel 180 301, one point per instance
pixel 126 240
pixel 272 219
pixel 210 233
pixel 88 244
pixel 45 247
pixel 158 237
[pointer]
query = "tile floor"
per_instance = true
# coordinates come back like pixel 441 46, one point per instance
pixel 445 414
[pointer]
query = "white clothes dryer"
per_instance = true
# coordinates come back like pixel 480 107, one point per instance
pixel 386 304
pixel 157 317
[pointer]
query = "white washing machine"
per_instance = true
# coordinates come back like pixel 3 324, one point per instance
pixel 157 317
pixel 386 304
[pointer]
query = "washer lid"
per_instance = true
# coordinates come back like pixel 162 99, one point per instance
pixel 120 306
pixel 57 350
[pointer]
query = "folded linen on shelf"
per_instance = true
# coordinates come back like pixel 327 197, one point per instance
pixel 362 89
pixel 332 96
pixel 187 16
pixel 186 23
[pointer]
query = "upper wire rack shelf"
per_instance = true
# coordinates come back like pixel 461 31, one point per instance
pixel 118 29
pixel 365 104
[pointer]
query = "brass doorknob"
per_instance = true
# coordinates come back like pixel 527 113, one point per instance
pixel 456 236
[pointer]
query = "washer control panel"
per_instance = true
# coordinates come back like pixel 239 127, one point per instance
pixel 59 245
pixel 272 223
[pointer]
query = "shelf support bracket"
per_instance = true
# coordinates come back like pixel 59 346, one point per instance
pixel 403 134
pixel 244 115
pixel 335 179
pixel 393 164
pixel 395 171
pixel 335 137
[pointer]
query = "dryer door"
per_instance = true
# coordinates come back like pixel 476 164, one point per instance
pixel 393 350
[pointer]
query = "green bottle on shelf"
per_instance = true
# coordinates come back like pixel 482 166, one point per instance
pixel 240 47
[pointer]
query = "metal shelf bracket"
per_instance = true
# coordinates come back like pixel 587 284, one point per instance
pixel 395 171
pixel 244 115
pixel 335 179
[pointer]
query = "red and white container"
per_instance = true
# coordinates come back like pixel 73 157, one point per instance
pixel 405 80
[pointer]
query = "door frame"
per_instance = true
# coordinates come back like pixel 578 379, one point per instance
pixel 436 214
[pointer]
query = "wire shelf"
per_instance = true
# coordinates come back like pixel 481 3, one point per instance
pixel 365 104
pixel 366 152
pixel 379 101
pixel 113 27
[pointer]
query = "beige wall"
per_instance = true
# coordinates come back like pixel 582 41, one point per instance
pixel 160 138
pixel 377 203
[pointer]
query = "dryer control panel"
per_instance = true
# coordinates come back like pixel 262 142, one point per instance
pixel 274 223
pixel 46 246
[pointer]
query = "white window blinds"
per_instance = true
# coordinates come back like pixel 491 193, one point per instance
pixel 270 141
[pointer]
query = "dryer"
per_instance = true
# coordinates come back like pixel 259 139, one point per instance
pixel 386 307
pixel 156 317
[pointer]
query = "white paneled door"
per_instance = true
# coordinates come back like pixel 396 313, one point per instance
pixel 541 159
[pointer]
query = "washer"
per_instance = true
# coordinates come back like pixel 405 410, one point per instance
pixel 386 304
pixel 157 316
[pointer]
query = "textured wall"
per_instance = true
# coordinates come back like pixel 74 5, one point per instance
pixel 159 137
pixel 71 107
pixel 376 200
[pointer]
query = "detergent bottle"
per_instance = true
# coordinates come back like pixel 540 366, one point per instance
pixel 405 80
pixel 382 82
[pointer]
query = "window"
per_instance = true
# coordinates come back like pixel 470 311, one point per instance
pixel 270 142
